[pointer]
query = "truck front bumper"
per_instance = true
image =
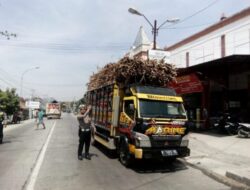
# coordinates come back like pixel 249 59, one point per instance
pixel 148 153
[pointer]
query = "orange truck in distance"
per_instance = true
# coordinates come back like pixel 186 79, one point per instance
pixel 53 110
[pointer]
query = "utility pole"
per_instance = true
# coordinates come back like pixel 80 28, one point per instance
pixel 155 32
pixel 154 27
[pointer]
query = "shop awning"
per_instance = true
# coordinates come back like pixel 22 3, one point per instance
pixel 187 84
pixel 229 64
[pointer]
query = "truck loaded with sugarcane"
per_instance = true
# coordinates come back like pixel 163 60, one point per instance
pixel 135 113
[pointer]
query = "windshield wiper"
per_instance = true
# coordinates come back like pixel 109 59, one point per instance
pixel 165 116
pixel 156 116
pixel 178 116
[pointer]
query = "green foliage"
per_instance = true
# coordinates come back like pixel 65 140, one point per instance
pixel 81 101
pixel 9 101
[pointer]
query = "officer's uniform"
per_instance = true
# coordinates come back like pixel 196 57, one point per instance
pixel 84 135
pixel 1 126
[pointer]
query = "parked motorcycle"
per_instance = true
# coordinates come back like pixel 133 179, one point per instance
pixel 244 130
pixel 227 124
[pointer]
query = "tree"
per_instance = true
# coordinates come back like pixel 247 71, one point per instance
pixel 81 101
pixel 9 101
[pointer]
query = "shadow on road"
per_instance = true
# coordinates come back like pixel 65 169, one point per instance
pixel 109 153
pixel 91 155
pixel 146 166
pixel 42 129
pixel 158 166
pixel 6 142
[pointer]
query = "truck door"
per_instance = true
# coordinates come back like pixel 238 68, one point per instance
pixel 128 112
pixel 129 109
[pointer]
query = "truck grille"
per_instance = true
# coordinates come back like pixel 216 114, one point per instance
pixel 157 141
pixel 165 143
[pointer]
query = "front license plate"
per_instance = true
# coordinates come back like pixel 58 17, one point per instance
pixel 166 153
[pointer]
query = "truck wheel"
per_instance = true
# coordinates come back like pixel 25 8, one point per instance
pixel 125 156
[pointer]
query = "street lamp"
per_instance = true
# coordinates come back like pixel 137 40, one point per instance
pixel 154 27
pixel 27 70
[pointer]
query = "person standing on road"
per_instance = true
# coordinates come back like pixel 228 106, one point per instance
pixel 36 114
pixel 84 131
pixel 40 117
pixel 1 127
pixel 2 124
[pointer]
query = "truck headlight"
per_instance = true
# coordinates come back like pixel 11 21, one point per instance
pixel 142 142
pixel 137 141
pixel 185 141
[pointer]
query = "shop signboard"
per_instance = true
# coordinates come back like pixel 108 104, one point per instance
pixel 159 55
pixel 187 84
pixel 32 104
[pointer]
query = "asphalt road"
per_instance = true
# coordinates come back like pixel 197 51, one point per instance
pixel 47 160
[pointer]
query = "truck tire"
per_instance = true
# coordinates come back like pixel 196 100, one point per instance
pixel 124 155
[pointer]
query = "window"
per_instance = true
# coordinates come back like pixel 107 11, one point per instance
pixel 162 109
pixel 129 108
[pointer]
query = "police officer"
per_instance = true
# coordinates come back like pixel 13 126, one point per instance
pixel 1 126
pixel 84 131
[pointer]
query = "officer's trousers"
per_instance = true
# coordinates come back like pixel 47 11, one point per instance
pixel 1 133
pixel 84 138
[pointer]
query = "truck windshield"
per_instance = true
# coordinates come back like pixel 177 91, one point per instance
pixel 161 109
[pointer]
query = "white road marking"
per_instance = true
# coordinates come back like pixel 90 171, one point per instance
pixel 38 164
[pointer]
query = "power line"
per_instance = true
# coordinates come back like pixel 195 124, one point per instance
pixel 7 82
pixel 191 26
pixel 10 81
pixel 57 85
pixel 6 74
pixel 196 13
pixel 76 49
pixel 83 44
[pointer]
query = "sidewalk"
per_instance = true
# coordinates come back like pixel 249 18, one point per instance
pixel 225 158
pixel 13 126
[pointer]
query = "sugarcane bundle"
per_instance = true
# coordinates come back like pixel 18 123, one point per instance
pixel 129 71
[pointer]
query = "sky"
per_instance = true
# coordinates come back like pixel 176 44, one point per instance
pixel 70 39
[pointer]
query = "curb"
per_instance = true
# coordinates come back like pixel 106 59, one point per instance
pixel 238 178
pixel 234 184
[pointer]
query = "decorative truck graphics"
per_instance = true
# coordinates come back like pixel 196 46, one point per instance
pixel 140 122
pixel 135 113
pixel 53 110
